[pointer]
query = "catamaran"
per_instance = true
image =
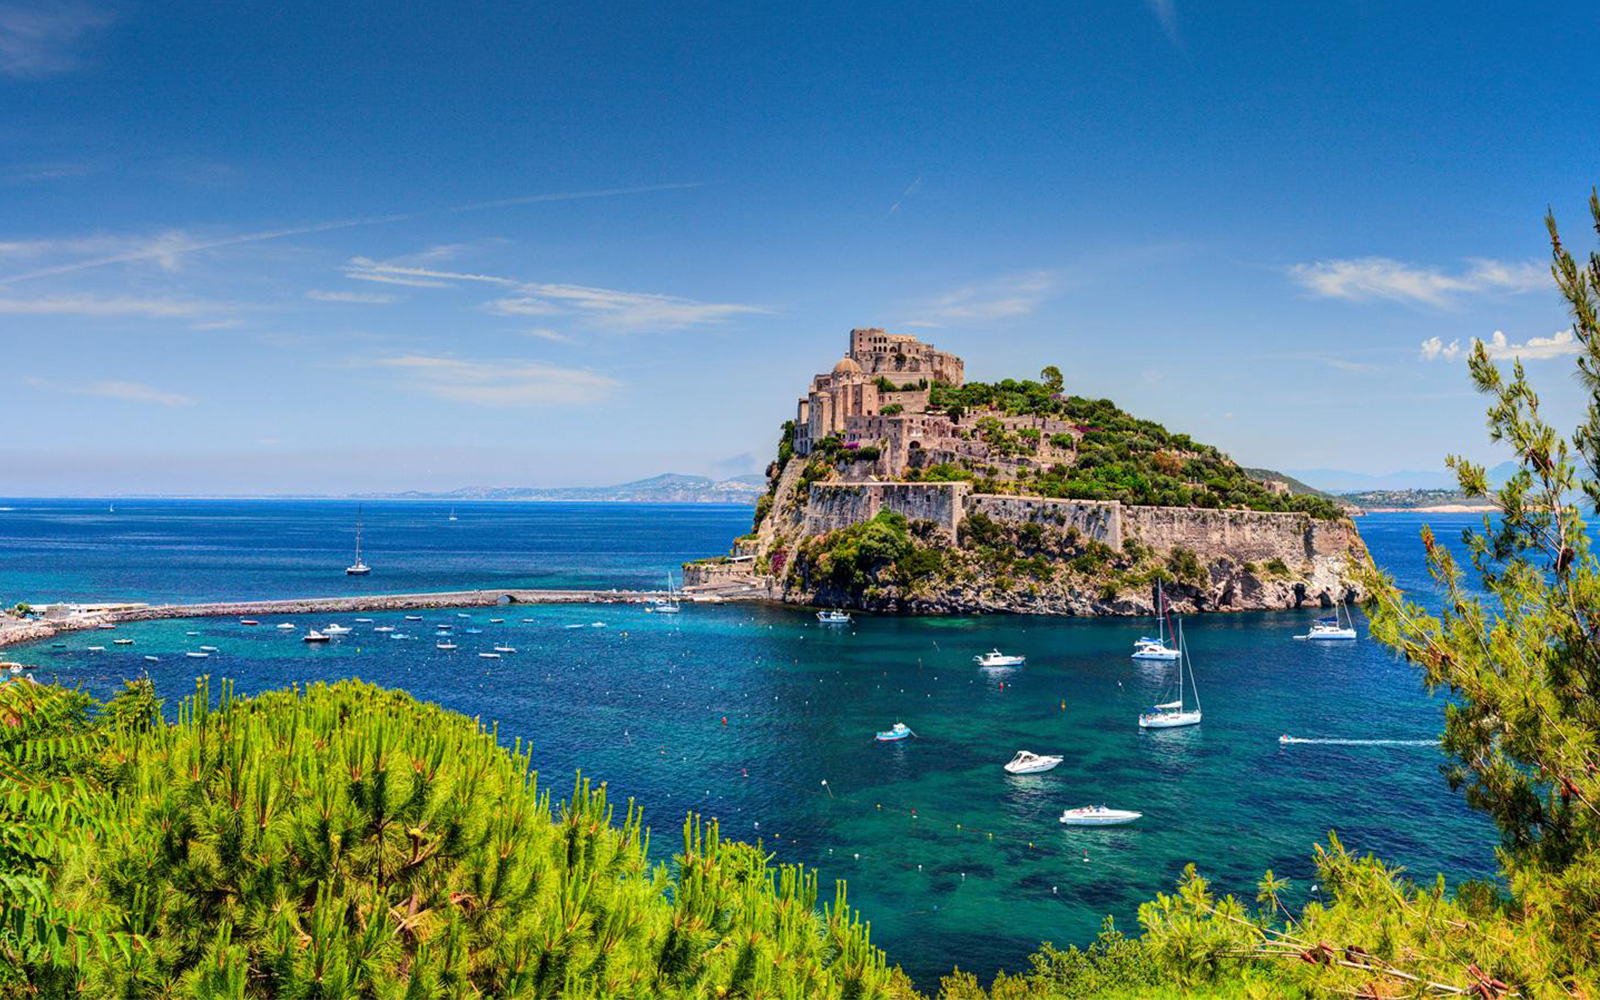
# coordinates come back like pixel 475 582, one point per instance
pixel 1156 649
pixel 359 568
pixel 995 658
pixel 1340 626
pixel 1028 762
pixel 1172 714
pixel 828 616
pixel 1098 816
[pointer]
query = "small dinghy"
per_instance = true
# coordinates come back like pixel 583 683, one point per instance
pixel 1028 762
pixel 1098 816
pixel 995 658
pixel 527 621
pixel 462 614
pixel 580 625
pixel 597 624
pixel 191 633
pixel 831 617
pixel 399 635
pixel 313 636
pixel 474 631
pixel 899 732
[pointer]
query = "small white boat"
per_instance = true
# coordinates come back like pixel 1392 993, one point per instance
pixel 527 621
pixel 123 642
pixel 995 658
pixel 107 625
pixel 488 656
pixel 196 656
pixel 462 614
pixel 364 621
pixel 497 621
pixel 445 645
pixel 1156 649
pixel 1098 816
pixel 575 626
pixel 191 633
pixel 1028 762
pixel 97 649
pixel 474 631
pixel 313 636
pixel 1173 714
pixel 1340 626
pixel 413 618
pixel 208 649
pixel 597 624
pixel 335 629
pixel 452 513
pixel 384 628
pixel 248 621
pixel 505 649
pixel 359 568
pixel 288 627
pixel 829 616
pixel 399 635
pixel 898 732
pixel 152 659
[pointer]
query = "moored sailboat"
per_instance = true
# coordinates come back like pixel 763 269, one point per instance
pixel 359 568
pixel 1172 714
pixel 1156 649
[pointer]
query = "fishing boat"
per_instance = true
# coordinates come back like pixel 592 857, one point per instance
pixel 830 616
pixel 359 568
pixel 995 658
pixel 1098 816
pixel 336 629
pixel 313 636
pixel 670 605
pixel 1172 714
pixel 1028 762
pixel 1156 649
pixel 1340 626
pixel 898 732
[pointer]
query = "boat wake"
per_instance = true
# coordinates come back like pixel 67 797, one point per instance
pixel 1360 743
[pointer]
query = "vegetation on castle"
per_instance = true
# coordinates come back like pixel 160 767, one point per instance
pixel 348 841
pixel 1118 457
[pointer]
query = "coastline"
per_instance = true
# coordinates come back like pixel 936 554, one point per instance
pixel 1441 508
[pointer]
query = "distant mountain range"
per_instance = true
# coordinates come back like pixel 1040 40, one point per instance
pixel 667 488
pixel 1344 481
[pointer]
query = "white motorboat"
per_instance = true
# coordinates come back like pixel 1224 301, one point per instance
pixel 1156 649
pixel 248 621
pixel 995 658
pixel 898 731
pixel 505 649
pixel 359 568
pixel 196 656
pixel 413 618
pixel 313 636
pixel 1172 714
pixel 208 649
pixel 462 614
pixel 444 645
pixel 287 627
pixel 497 621
pixel 363 621
pixel 96 649
pixel 1028 762
pixel 152 659
pixel 1098 816
pixel 399 635
pixel 384 628
pixel 335 630
pixel 107 626
pixel 488 656
pixel 122 642
pixel 833 617
pixel 1340 626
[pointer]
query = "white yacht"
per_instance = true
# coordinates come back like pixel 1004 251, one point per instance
pixel 1028 762
pixel 336 629
pixel 995 658
pixel 829 616
pixel 287 627
pixel 1172 714
pixel 359 568
pixel 1340 626
pixel 1098 816
pixel 1156 649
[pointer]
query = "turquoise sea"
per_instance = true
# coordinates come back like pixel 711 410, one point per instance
pixel 743 712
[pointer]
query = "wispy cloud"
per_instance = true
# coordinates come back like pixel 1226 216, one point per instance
pixel 167 250
pixel 499 383
pixel 41 38
pixel 128 392
pixel 1000 298
pixel 1558 344
pixel 1166 12
pixel 112 308
pixel 1368 278
pixel 628 312
pixel 361 298
pixel 367 269
pixel 554 336
pixel 910 190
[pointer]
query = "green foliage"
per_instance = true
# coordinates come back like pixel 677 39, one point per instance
pixel 892 410
pixel 347 841
pixel 1186 566
pixel 1276 567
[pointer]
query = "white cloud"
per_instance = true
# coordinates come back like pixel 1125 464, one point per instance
pixel 1000 298
pixel 545 333
pixel 41 38
pixel 113 308
pixel 130 392
pixel 500 384
pixel 371 270
pixel 1558 344
pixel 1366 278
pixel 366 298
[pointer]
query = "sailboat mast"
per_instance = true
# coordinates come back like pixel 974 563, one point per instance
pixel 1192 685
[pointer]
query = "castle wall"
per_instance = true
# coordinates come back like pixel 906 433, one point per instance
pixel 1100 520
pixel 1245 535
pixel 833 506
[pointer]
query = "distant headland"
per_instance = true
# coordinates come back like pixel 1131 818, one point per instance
pixel 901 486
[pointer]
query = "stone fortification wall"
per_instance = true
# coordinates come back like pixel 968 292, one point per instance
pixel 1245 535
pixel 832 506
pixel 1100 520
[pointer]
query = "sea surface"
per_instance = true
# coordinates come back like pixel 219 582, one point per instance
pixel 764 718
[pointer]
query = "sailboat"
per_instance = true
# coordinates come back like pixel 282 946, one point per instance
pixel 1340 626
pixel 1172 714
pixel 1157 648
pixel 452 513
pixel 360 568
pixel 670 605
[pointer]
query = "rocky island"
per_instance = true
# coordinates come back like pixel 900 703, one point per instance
pixel 900 486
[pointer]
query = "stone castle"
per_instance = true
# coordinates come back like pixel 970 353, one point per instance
pixel 877 395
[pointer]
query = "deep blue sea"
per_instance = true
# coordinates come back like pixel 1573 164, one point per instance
pixel 952 860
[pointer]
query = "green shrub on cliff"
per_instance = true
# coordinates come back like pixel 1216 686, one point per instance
pixel 347 841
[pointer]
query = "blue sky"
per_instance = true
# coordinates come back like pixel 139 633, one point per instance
pixel 331 247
